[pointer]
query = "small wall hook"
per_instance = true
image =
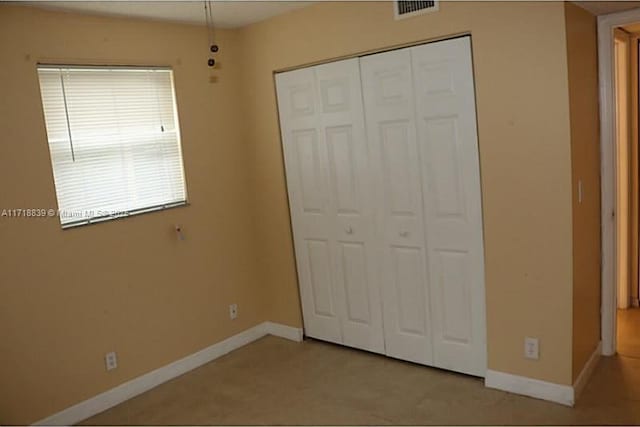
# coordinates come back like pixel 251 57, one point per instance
pixel 179 232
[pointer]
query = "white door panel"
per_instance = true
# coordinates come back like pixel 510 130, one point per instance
pixel 342 120
pixel 319 275
pixel 309 197
pixel 391 132
pixel 383 176
pixel 331 198
pixel 408 285
pixel 445 107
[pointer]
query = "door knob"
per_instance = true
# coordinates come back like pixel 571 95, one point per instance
pixel 404 234
pixel 349 230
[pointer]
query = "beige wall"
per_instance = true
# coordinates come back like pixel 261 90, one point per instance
pixel 523 118
pixel 582 58
pixel 68 297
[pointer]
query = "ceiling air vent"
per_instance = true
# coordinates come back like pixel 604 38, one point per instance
pixel 406 9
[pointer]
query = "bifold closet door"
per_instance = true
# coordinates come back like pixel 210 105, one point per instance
pixel 322 126
pixel 448 144
pixel 383 175
pixel 387 86
pixel 421 128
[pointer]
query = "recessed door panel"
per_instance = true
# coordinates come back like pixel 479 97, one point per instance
pixel 452 272
pixel 301 102
pixel 344 169
pixel 305 144
pixel 441 153
pixel 399 188
pixel 408 281
pixel 320 277
pixel 355 280
pixel 335 94
pixel 437 77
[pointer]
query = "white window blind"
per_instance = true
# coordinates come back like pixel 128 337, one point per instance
pixel 114 140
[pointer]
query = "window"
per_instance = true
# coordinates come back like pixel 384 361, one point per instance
pixel 114 141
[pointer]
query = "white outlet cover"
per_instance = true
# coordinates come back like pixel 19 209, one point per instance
pixel 531 348
pixel 111 360
pixel 233 311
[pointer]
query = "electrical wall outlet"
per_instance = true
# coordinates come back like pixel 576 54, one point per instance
pixel 531 348
pixel 233 311
pixel 111 360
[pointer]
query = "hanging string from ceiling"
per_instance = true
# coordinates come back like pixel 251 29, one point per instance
pixel 213 48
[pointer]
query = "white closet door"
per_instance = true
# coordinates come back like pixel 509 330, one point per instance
pixel 446 118
pixel 386 214
pixel 391 130
pixel 326 157
pixel 309 197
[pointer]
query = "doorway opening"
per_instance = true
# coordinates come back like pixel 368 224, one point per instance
pixel 626 45
pixel 618 48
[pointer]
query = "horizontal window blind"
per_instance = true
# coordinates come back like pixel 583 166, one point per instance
pixel 114 141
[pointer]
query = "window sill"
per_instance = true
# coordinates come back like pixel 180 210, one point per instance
pixel 106 218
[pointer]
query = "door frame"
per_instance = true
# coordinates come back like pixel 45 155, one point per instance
pixel 608 172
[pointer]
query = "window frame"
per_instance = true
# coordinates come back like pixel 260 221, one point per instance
pixel 132 212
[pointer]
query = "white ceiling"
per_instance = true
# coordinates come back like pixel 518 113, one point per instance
pixel 605 7
pixel 226 14
pixel 234 13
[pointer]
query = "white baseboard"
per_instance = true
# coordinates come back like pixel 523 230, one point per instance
pixel 558 393
pixel 136 386
pixel 587 370
pixel 283 331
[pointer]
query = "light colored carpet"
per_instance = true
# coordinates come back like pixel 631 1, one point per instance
pixel 275 381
